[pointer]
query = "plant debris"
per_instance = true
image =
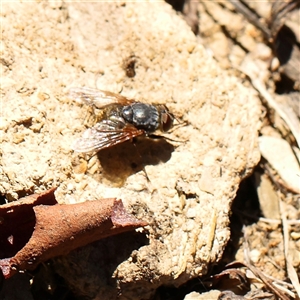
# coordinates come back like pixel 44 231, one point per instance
pixel 37 228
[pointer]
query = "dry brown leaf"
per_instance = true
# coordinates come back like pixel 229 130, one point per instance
pixel 280 155
pixel 268 198
pixel 36 228
pixel 232 279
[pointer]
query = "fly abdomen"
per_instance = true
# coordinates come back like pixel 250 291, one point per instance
pixel 142 116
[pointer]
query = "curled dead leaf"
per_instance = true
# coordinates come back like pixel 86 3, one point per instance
pixel 231 279
pixel 37 228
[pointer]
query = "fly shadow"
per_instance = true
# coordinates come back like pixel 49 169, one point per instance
pixel 122 160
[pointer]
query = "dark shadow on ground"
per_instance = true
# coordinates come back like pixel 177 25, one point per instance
pixel 125 159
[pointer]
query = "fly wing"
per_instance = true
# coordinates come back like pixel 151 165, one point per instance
pixel 95 97
pixel 105 134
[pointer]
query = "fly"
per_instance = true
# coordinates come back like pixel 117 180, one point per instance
pixel 121 119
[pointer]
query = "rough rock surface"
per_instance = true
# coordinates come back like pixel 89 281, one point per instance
pixel 48 48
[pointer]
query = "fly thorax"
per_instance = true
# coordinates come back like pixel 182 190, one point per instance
pixel 142 116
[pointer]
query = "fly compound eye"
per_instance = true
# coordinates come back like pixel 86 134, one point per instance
pixel 166 120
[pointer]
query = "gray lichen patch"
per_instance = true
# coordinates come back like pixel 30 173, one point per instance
pixel 192 182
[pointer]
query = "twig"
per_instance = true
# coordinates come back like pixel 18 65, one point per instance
pixel 290 120
pixel 251 17
pixel 257 272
